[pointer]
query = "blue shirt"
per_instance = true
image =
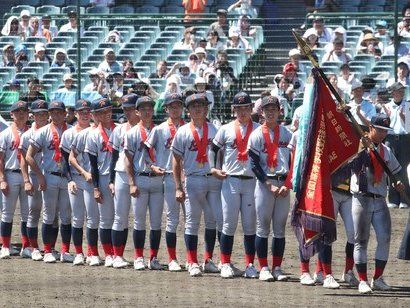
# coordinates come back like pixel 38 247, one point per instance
pixel 366 108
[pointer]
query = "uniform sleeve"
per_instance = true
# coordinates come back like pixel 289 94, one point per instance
pixel 254 143
pixel 78 143
pixel 115 141
pixel 392 163
pixel 24 142
pixel 152 138
pixel 91 146
pixel 38 139
pixel 292 142
pixel 66 141
pixel 219 139
pixel 177 146
pixel 3 143
pixel 129 144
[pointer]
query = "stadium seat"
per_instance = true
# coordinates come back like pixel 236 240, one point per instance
pixel 157 51
pixel 132 53
pixel 36 70
pixel 60 70
pixel 70 8
pixel 98 10
pixel 127 9
pixel 55 45
pixel 99 28
pixel 48 9
pixel 178 2
pixel 11 71
pixel 53 2
pixel 15 40
pixel 43 64
pixel 74 2
pixel 35 39
pixel 151 64
pixel 167 47
pixel 15 10
pixel 155 29
pixel 153 2
pixel 172 10
pixel 147 9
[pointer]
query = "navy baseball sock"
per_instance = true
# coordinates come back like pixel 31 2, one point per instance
pixel 171 239
pixel 379 268
pixel 249 243
pixel 47 232
pixel 210 237
pixel 226 248
pixel 92 240
pixel 77 234
pixel 105 238
pixel 139 241
pixel 65 237
pixel 191 243
pixel 54 235
pixel 6 233
pixel 261 244
pixel 32 234
pixel 124 237
pixel 362 271
pixel 219 234
pixel 349 256
pixel 325 257
pixel 278 248
pixel 154 240
pixel 24 237
pixel 117 242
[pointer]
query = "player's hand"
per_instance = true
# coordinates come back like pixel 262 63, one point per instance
pixel 366 141
pixel 28 188
pixel 98 195
pixel 219 174
pixel 283 191
pixel 180 195
pixel 134 191
pixel 157 170
pixel 42 185
pixel 4 186
pixel 399 186
pixel 112 188
pixel 272 188
pixel 72 187
pixel 87 176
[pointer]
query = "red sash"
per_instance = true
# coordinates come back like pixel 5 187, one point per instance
pixel 377 168
pixel 144 137
pixel 172 127
pixel 201 144
pixel 16 141
pixel 56 141
pixel 271 147
pixel 242 143
pixel 106 139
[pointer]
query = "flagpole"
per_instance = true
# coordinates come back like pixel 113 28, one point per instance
pixel 308 52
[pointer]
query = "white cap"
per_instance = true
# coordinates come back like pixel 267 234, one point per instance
pixel 93 71
pixel 199 80
pixel 60 50
pixel 200 50
pixel 25 13
pixel 294 52
pixel 233 31
pixel 39 47
pixel 356 84
pixel 309 32
pixel 68 76
pixel 108 50
pixel 341 30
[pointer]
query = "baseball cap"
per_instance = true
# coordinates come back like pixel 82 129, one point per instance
pixel 19 105
pixel 356 84
pixel 270 100
pixel 172 98
pixel 7 47
pixel 198 97
pixel 107 51
pixel 396 86
pixel 241 99
pixel 68 76
pixel 318 19
pixel 380 120
pixel 233 31
pixel 39 47
pixel 46 17
pixel 221 12
pixel 200 50
pixel 14 82
pixel 56 105
pixel 294 52
pixel 129 100
pixel 340 30
pixel 82 104
pixel 39 105
pixel 72 14
pixel 144 100
pixel 25 13
pixel 100 104
pixel 199 80
pixel 381 24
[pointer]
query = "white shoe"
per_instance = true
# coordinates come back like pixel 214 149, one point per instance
pixel 251 271
pixel 350 278
pixel 392 206
pixel 36 255
pixel 306 279
pixel 403 205
pixel 93 261
pixel 154 264
pixel 139 264
pixel 174 266
pixel 279 275
pixel 209 267
pixel 265 274
pixel 4 253
pixel 79 259
pixel 66 258
pixel 330 283
pixel 364 287
pixel 379 284
pixel 119 262
pixel 236 271
pixel 49 258
pixel 226 271
pixel 14 251
pixel 318 277
pixel 108 261
pixel 25 253
pixel 194 270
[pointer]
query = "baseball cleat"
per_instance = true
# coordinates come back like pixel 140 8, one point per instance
pixel 56 254
pixel 174 266
pixel 108 261
pixel 14 251
pixel 278 274
pixel 65 257
pixel 209 267
pixel 49 258
pixel 119 262
pixel 194 270
pixel 93 261
pixel 236 271
pixel 318 277
pixel 139 264
pixel 265 274
pixel 251 271
pixel 330 283
pixel 364 287
pixel 379 284
pixel 25 253
pixel 154 264
pixel 306 279
pixel 4 253
pixel 392 205
pixel 79 259
pixel 403 205
pixel 350 278
pixel 36 255
pixel 227 271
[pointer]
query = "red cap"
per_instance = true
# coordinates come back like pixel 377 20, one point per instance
pixel 289 67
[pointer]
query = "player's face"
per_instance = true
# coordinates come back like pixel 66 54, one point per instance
pixel 20 115
pixel 104 116
pixel 198 110
pixel 243 113
pixel 83 115
pixel 174 110
pixel 377 135
pixel 57 116
pixel 41 118
pixel 130 112
pixel 398 95
pixel 270 113
pixel 146 111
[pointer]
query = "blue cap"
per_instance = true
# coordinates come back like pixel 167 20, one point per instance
pixel 381 24
pixel 173 97
pixel 241 99
pixel 55 105
pixel 82 104
pixel 270 100
pixel 14 82
pixel 199 97
pixel 19 105
pixel 129 100
pixel 20 48
pixel 380 120
pixel 143 100
pixel 100 104
pixel 39 105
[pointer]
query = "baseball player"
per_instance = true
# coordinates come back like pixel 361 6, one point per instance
pixel 11 180
pixel 190 149
pixel 79 160
pixel 39 109
pixel 99 152
pixel 119 180
pixel 52 181
pixel 76 183
pixel 238 185
pixel 160 139
pixel 369 207
pixel 270 159
pixel 146 187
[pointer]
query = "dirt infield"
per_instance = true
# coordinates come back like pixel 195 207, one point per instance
pixel 25 282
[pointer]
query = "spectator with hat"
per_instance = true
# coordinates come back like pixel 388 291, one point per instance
pixel 8 56
pixel 243 7
pixel 294 58
pixel 323 33
pixel 312 39
pixel 370 46
pixel 344 81
pixel 13 86
pixel 46 25
pixel 290 73
pixel 381 28
pixel 61 60
pixel 338 33
pixel 25 22
pixel 188 41
pixel 22 59
pixel 221 25
pixel 361 109
pixel 40 54
pixel 71 26
pixel 110 65
pixel 203 64
pixel 96 83
pixel 34 87
pixel 68 81
pixel 116 87
pixel 337 54
pixel 236 40
pixel 12 28
pixel 183 72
